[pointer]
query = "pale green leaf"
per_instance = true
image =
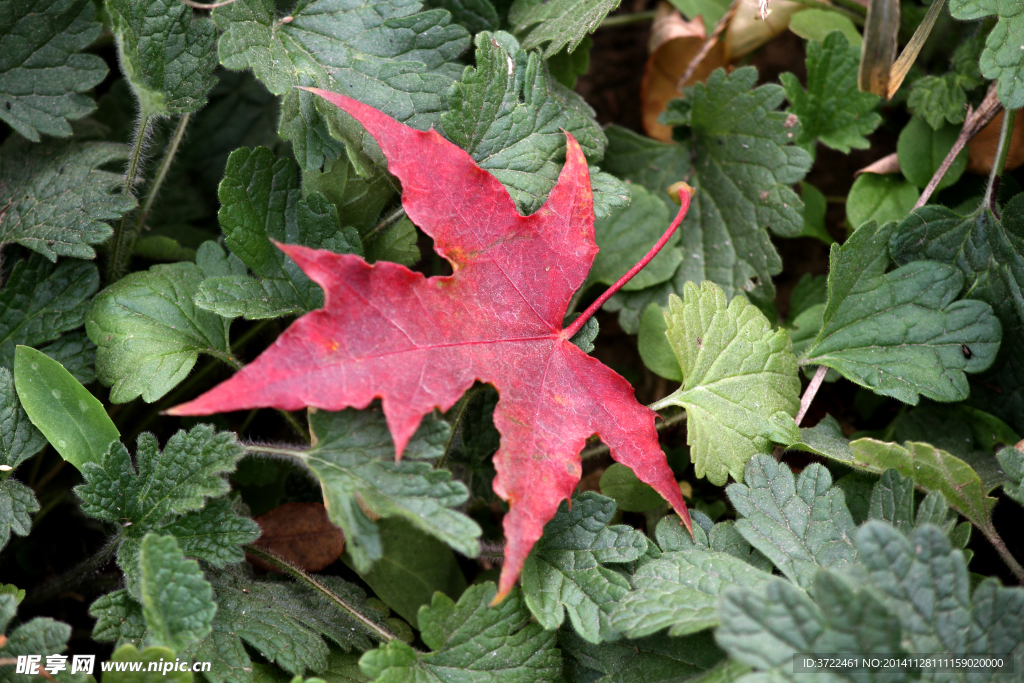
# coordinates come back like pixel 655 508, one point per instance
pixel 817 24
pixel 892 500
pixel 938 99
pixel 629 493
pixel 1012 461
pixel 43 74
pixel 1002 59
pixel 825 438
pixel 741 387
pixel 395 243
pixel 922 149
pixel 177 602
pixel 880 198
pixel 654 347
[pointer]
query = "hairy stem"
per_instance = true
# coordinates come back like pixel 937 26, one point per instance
pixel 120 253
pixel 685 194
pixel 1000 161
pixel 626 19
pixel 299 575
pixel 997 542
pixel 76 575
pixel 601 449
pixel 161 172
pixel 391 218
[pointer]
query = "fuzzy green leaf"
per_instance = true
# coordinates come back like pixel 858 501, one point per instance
pixel 76 353
pixel 17 504
pixel 41 636
pixel 149 330
pixel 938 99
pixel 167 54
pixel 627 235
pixel 1002 59
pixel 901 333
pixel 42 73
pixel 564 571
pixel 1012 461
pixel 260 201
pixel 354 460
pixel 736 151
pixel 215 533
pixel 387 54
pixel 39 301
pixel 832 110
pixel 554 24
pixel 56 198
pixel 118 620
pixel 396 243
pixel 892 500
pixel 19 438
pixel 799 525
pixel 741 387
pixel 470 641
pixel 129 653
pixel 655 659
pixel 825 438
pixel 177 602
pixel 509 113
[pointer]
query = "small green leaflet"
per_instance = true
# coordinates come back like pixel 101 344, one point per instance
pixel 57 199
pixel 800 525
pixel 921 150
pixel 19 439
pixel 150 332
pixel 625 237
pixel 35 637
pixel 832 110
pixel 166 53
pixel 654 659
pixel 261 201
pixel 892 500
pixel 1002 58
pixel 511 115
pixel 938 99
pixel 554 24
pixel 177 602
pixel 733 132
pixel 39 301
pixel 740 389
pixel 902 333
pixel 387 54
pixel 564 571
pixel 40 94
pixel 1012 461
pixel 354 460
pixel 470 641
pixel 475 15
pixel 118 619
pixel 880 198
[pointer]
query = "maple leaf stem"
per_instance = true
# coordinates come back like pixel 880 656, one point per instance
pixel 685 194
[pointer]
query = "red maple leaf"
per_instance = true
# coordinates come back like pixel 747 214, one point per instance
pixel 419 343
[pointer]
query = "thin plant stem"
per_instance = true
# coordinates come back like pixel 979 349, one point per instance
pixel 77 574
pixel 1000 161
pixel 626 19
pixel 685 194
pixel 123 235
pixel 601 449
pixel 811 392
pixel 392 217
pixel 460 411
pixel 161 171
pixel 997 542
pixel 299 575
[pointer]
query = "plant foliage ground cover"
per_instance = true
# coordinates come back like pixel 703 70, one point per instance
pixel 300 372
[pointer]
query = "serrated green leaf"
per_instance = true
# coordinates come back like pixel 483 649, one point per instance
pixel 880 198
pixel 921 149
pixel 741 387
pixel 42 73
pixel 766 627
pixel 892 500
pixel 1012 461
pixel 825 438
pixel 166 53
pixel 17 503
pixel 260 202
pixel 387 54
pixel 73 420
pixel 737 152
pixel 901 333
pixel 215 533
pixel 177 602
pixel 475 15
pixel 626 236
pixel 938 99
pixel 565 572
pixel 118 620
pixel 655 659
pixel 584 339
pixel 554 24
pixel 629 493
pixel 129 653
pixel 396 243
pixel 799 525
pixel 19 438
pixel 40 636
pixel 470 641
pixel 832 110
pixel 56 196
pixel 359 200
pixel 148 330
pixel 1002 58
pixel 354 460
pixel 11 589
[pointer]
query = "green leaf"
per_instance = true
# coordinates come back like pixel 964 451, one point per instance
pixel 215 533
pixel 177 602
pixel 766 627
pixel 1002 58
pixel 42 73
pixel 396 243
pixel 626 236
pixel 412 567
pixel 736 151
pixel 354 460
pixel 1012 461
pixel 11 589
pixel 511 115
pixel 815 206
pixel 799 525
pixel 655 659
pixel 150 332
pixel 566 66
pixel 555 24
pixel 57 199
pixel 938 99
pixel 129 653
pixel 72 419
pixel 76 353
pixel 710 11
pixel 359 200
pixel 584 339
pixel 470 641
pixel 166 54
pixel 741 387
pixel 901 333
pixel 17 504
pixel 40 636
pixel 19 438
pixel 475 15
pixel 118 620
pixel 386 54
pixel 629 493
pixel 825 438
pixel 892 500
pixel 654 347
pixel 260 201
pixel 880 198
pixel 922 149
pixel 565 572
pixel 817 24
pixel 832 110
